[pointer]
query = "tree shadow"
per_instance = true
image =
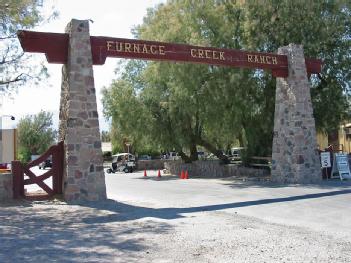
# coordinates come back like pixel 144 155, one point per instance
pixel 32 232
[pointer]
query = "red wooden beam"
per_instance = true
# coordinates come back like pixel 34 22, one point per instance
pixel 55 46
pixel 17 184
pixel 37 180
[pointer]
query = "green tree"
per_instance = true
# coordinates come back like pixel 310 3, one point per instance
pixel 15 69
pixel 35 134
pixel 105 136
pixel 323 28
pixel 186 105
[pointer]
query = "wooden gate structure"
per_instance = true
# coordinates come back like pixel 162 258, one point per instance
pixel 19 170
pixel 294 156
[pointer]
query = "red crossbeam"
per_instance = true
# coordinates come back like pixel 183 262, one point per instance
pixel 37 180
pixel 55 47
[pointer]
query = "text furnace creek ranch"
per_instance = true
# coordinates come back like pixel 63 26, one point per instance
pixel 55 46
pixel 194 52
pixel 190 53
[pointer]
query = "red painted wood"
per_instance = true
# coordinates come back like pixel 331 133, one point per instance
pixel 17 183
pixel 19 170
pixel 60 160
pixel 40 178
pixel 55 46
pixel 34 179
pixel 57 166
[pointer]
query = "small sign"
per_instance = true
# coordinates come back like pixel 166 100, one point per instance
pixel 325 159
pixel 342 166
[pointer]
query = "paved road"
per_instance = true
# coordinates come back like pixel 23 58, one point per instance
pixel 324 208
pixel 192 221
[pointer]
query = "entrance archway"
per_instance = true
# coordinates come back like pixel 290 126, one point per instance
pixel 294 157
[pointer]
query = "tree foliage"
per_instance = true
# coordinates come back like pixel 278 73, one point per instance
pixel 181 106
pixel 324 30
pixel 105 136
pixel 15 68
pixel 35 134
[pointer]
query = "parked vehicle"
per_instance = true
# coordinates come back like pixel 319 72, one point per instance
pixel 202 155
pixel 235 155
pixel 174 156
pixel 4 166
pixel 236 152
pixel 45 164
pixel 122 162
pixel 144 157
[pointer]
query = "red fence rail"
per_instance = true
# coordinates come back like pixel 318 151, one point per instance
pixel 19 170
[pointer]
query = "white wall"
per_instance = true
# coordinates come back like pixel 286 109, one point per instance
pixel 8 146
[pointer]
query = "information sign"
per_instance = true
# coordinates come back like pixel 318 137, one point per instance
pixel 325 159
pixel 342 166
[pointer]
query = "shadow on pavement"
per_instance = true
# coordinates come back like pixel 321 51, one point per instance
pixel 125 212
pixel 57 232
pixel 236 182
pixel 162 178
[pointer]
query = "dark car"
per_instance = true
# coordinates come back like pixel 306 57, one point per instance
pixel 45 164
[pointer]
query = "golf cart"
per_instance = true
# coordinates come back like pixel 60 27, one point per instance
pixel 122 162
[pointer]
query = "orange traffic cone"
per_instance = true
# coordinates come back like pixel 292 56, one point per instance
pixel 159 173
pixel 182 175
pixel 145 175
pixel 186 176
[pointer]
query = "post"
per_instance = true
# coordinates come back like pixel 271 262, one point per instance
pixel 84 178
pixel 294 151
pixel 57 167
pixel 60 157
pixel 17 184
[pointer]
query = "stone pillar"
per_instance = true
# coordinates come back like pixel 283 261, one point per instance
pixel 294 155
pixel 84 178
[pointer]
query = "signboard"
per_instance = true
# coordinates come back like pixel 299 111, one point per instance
pixel 325 159
pixel 55 47
pixel 341 166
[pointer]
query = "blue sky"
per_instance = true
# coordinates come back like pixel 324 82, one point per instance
pixel 112 18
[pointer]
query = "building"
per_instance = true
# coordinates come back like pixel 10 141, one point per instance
pixel 340 139
pixel 8 145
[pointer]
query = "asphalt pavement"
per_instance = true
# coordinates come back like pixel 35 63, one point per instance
pixel 321 207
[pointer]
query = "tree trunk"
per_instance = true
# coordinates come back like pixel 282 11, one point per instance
pixel 184 157
pixel 211 148
pixel 193 152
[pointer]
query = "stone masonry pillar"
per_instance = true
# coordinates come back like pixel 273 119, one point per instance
pixel 84 178
pixel 294 155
